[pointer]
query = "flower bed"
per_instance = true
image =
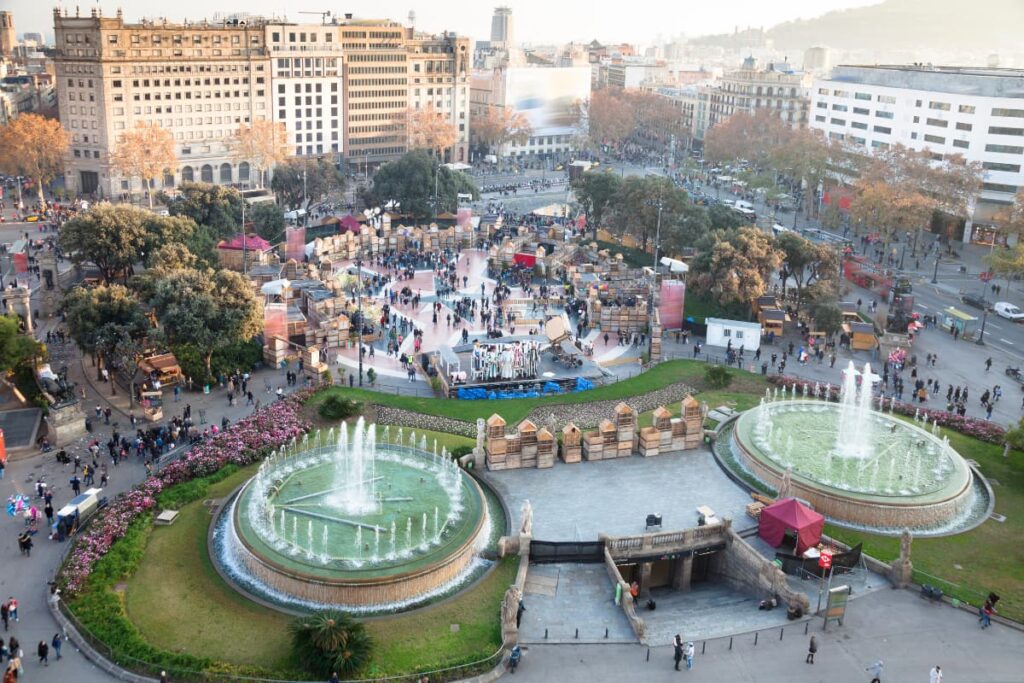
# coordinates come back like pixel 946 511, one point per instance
pixel 242 443
pixel 980 429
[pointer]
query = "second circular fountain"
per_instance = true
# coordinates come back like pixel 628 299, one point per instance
pixel 350 521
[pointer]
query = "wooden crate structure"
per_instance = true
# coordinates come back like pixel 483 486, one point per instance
pixel 625 426
pixel 693 418
pixel 497 444
pixel 527 447
pixel 546 447
pixel 572 443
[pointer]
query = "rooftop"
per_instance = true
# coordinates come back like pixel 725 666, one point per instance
pixel 957 80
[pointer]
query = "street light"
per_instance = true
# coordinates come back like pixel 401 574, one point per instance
pixel 935 274
pixel 981 334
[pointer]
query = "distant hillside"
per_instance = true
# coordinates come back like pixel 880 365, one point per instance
pixel 984 25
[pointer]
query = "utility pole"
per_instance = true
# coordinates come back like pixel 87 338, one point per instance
pixel 244 254
pixel 305 201
pixel 359 306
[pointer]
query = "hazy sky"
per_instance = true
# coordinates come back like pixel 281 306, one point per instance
pixel 536 21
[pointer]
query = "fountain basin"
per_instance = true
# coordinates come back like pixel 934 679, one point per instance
pixel 910 479
pixel 288 533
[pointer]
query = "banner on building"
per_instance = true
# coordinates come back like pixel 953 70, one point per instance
pixel 670 308
pixel 275 321
pixel 295 244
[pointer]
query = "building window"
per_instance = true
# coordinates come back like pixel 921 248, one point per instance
pixel 862 95
pixel 966 109
pixel 862 111
pixel 884 114
pixel 995 166
pixel 187 175
pixel 998 187
pixel 859 124
pixel 938 123
pixel 964 126
pixel 1014 113
pixel 887 99
pixel 839 107
pixel 838 122
pixel 1004 149
pixel 243 171
pixel 225 173
pixel 940 106
pixel 819 119
pixel 1000 130
pixel 935 139
pixel 878 144
pixel 883 129
pixel 821 105
pixel 206 173
pixel 962 144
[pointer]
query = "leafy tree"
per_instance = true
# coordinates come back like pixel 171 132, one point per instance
pixel 34 146
pixel 99 317
pixel 1015 436
pixel 172 255
pixel 737 269
pixel 752 137
pixel 828 317
pixel 215 206
pixel 431 130
pixel 804 262
pixel 722 217
pixel 321 180
pixel 160 231
pixel 410 181
pixel 263 144
pixel 267 219
pixel 891 208
pixel 1008 262
pixel 637 205
pixel 658 119
pixel 145 153
pixel 16 349
pixel 686 230
pixel 717 376
pixel 497 126
pixel 611 116
pixel 210 309
pixel 596 193
pixel 331 642
pixel 203 244
pixel 111 237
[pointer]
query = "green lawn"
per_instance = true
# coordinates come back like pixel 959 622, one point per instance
pixel 700 308
pixel 988 558
pixel 514 410
pixel 179 603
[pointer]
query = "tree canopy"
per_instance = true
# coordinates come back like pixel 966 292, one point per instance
pixel 611 117
pixel 215 206
pixel 410 181
pixel 738 266
pixel 321 180
pixel 637 206
pixel 596 192
pixel 16 348
pixel 497 126
pixel 262 143
pixel 805 262
pixel 98 316
pixel 430 129
pixel 208 309
pixel 34 146
pixel 267 220
pixel 147 152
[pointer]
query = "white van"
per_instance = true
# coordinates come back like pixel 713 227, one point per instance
pixel 740 204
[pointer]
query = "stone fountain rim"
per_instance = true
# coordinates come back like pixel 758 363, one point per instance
pixel 382 616
pixel 944 493
pixel 448 556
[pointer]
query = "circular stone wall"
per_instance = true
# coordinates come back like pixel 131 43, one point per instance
pixel 912 479
pixel 416 540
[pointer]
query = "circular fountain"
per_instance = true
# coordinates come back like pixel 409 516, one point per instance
pixel 856 464
pixel 344 519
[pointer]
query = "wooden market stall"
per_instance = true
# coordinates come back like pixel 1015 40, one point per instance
pixel 161 370
pixel 773 320
pixel 849 310
pixel 862 336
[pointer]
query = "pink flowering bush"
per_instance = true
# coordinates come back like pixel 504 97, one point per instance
pixel 245 442
pixel 978 428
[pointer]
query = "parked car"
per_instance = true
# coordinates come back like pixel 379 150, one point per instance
pixel 976 300
pixel 1004 309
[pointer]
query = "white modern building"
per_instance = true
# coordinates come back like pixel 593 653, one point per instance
pixel 975 112
pixel 734 333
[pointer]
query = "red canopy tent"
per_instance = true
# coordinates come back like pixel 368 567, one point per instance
pixel 790 514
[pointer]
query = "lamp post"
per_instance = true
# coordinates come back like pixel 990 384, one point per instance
pixel 359 306
pixel 935 273
pixel 981 333
pixel 654 281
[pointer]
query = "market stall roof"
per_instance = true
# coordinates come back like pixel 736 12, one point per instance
pixel 790 514
pixel 275 287
pixel 249 243
pixel 552 210
pixel 674 265
pixel 162 363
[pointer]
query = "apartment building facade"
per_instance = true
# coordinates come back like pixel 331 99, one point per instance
pixel 974 112
pixel 198 81
pixel 776 88
pixel 341 88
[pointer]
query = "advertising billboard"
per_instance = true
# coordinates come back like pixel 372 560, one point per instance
pixel 548 96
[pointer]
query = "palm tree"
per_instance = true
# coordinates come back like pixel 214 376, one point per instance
pixel 331 641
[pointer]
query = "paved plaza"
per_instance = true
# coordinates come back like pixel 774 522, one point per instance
pixel 908 634
pixel 577 502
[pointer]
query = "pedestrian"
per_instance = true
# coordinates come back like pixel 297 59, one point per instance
pixel 43 650
pixel 812 648
pixel 935 675
pixel 986 612
pixel 677 650
pixel 163 677
pixel 688 654
pixel 988 363
pixel 876 671
pixel 55 644
pixel 5 615
pixel 334 678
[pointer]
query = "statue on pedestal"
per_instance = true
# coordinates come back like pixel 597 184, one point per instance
pixel 527 525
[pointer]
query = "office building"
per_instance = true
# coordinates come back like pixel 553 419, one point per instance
pixel 974 112
pixel 502 36
pixel 8 38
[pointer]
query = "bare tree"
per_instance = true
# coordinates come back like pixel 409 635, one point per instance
pixel 430 129
pixel 264 144
pixel 145 153
pixel 34 146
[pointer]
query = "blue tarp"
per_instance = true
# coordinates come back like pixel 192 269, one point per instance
pixel 548 389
